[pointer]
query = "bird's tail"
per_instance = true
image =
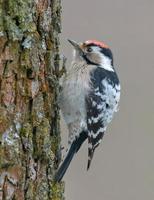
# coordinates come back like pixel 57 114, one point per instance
pixel 73 149
pixel 90 156
pixel 92 144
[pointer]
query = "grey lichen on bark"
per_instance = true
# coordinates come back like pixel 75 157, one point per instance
pixel 29 86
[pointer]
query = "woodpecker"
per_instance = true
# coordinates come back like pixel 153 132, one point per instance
pixel 89 97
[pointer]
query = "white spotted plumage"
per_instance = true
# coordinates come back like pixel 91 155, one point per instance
pixel 102 103
pixel 89 98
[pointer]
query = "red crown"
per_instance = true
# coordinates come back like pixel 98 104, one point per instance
pixel 97 43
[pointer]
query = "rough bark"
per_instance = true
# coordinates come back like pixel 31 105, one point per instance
pixel 29 115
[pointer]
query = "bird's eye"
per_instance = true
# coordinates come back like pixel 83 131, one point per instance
pixel 89 49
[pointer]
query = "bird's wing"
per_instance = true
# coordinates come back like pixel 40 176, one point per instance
pixel 101 102
pixel 95 109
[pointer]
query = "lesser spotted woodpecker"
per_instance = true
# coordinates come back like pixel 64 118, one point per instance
pixel 89 97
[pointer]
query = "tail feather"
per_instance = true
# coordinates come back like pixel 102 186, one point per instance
pixel 93 143
pixel 90 156
pixel 73 149
pixel 61 171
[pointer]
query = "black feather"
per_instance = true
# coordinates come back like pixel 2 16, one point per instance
pixel 90 157
pixel 73 149
pixel 96 115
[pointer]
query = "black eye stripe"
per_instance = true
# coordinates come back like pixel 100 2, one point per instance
pixel 88 61
pixel 108 53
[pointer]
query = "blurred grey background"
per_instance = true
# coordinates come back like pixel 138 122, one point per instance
pixel 123 165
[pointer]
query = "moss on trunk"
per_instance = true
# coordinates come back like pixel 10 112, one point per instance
pixel 29 86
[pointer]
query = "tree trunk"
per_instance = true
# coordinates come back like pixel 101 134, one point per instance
pixel 29 115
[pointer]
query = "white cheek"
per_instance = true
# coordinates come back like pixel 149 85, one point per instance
pixel 106 63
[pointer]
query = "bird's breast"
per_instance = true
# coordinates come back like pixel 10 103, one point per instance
pixel 75 87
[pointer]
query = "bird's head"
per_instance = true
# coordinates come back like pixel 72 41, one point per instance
pixel 93 52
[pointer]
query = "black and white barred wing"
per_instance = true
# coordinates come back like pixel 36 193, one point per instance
pixel 101 104
pixel 95 124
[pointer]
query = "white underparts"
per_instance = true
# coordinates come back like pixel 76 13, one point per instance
pixel 76 86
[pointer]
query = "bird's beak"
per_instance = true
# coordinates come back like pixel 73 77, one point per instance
pixel 76 45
